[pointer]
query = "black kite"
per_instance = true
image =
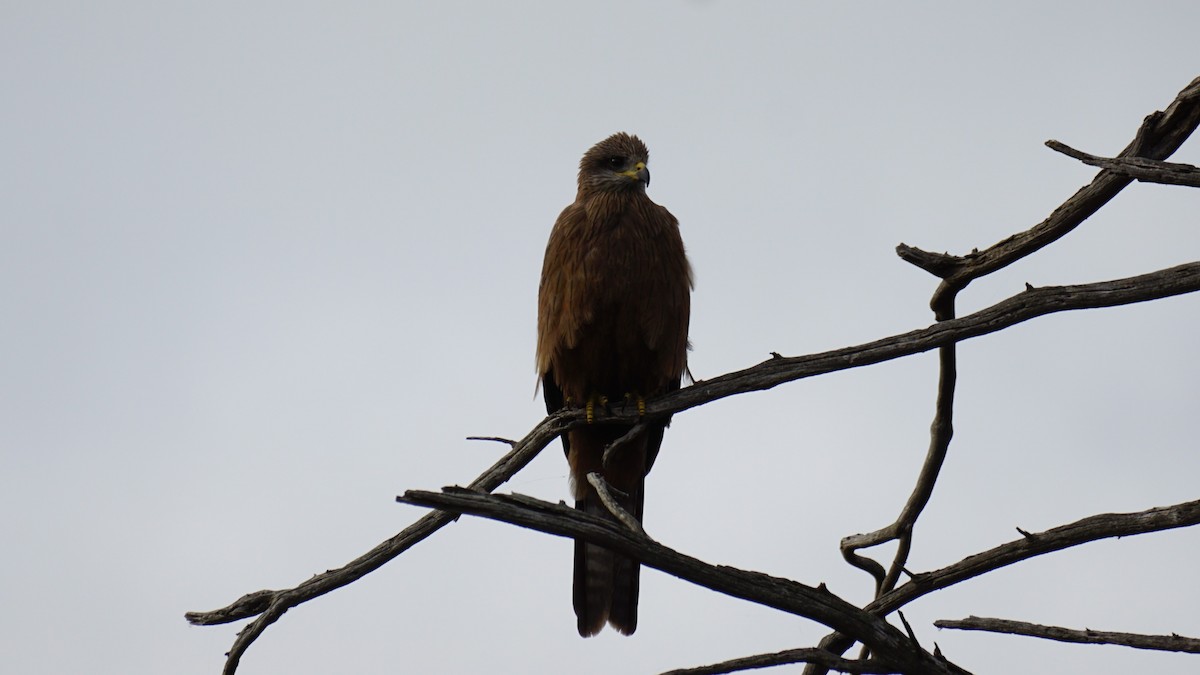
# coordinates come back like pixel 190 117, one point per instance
pixel 613 309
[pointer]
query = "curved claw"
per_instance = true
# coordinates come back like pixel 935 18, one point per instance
pixel 590 406
pixel 641 402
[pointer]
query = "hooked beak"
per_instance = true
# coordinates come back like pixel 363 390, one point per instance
pixel 639 172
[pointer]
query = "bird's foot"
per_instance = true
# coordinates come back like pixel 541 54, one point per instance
pixel 590 406
pixel 641 402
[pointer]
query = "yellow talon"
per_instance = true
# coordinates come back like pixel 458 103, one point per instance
pixel 641 403
pixel 590 406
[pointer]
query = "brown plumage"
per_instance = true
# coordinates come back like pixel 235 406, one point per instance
pixel 613 310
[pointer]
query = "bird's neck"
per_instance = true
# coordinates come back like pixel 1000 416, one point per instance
pixel 603 207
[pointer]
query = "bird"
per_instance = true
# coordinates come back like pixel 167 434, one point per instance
pixel 614 304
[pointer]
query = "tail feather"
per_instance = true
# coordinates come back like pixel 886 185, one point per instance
pixel 626 574
pixel 606 583
pixel 593 576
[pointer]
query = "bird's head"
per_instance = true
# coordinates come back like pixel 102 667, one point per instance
pixel 615 164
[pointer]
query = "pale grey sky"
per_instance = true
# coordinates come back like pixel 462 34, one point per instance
pixel 265 265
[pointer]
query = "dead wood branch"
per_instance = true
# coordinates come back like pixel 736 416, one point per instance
pixel 1138 168
pixel 818 604
pixel 1166 643
pixel 601 486
pixel 269 605
pixel 1160 134
pixel 1092 528
pixel 1159 137
pixel 940 433
pixel 789 656
pixel 1029 304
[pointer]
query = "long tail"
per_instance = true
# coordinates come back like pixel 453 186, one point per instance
pixel 606 583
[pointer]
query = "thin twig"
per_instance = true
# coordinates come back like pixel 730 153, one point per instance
pixel 618 445
pixel 908 629
pixel 611 504
pixel 1138 168
pixel 498 439
pixel 1166 643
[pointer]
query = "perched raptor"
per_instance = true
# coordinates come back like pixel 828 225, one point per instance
pixel 613 308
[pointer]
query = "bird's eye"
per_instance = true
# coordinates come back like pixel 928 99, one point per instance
pixel 615 162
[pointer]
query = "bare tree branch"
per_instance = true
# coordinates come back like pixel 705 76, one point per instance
pixel 786 595
pixel 788 656
pixel 1031 303
pixel 1166 643
pixel 269 605
pixel 1030 545
pixel 940 433
pixel 1160 135
pixel 1138 168
pixel 1092 528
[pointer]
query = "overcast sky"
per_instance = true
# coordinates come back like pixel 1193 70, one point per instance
pixel 265 266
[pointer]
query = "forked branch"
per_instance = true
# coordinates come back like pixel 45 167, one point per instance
pixel 1030 545
pixel 1160 134
pixel 818 604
